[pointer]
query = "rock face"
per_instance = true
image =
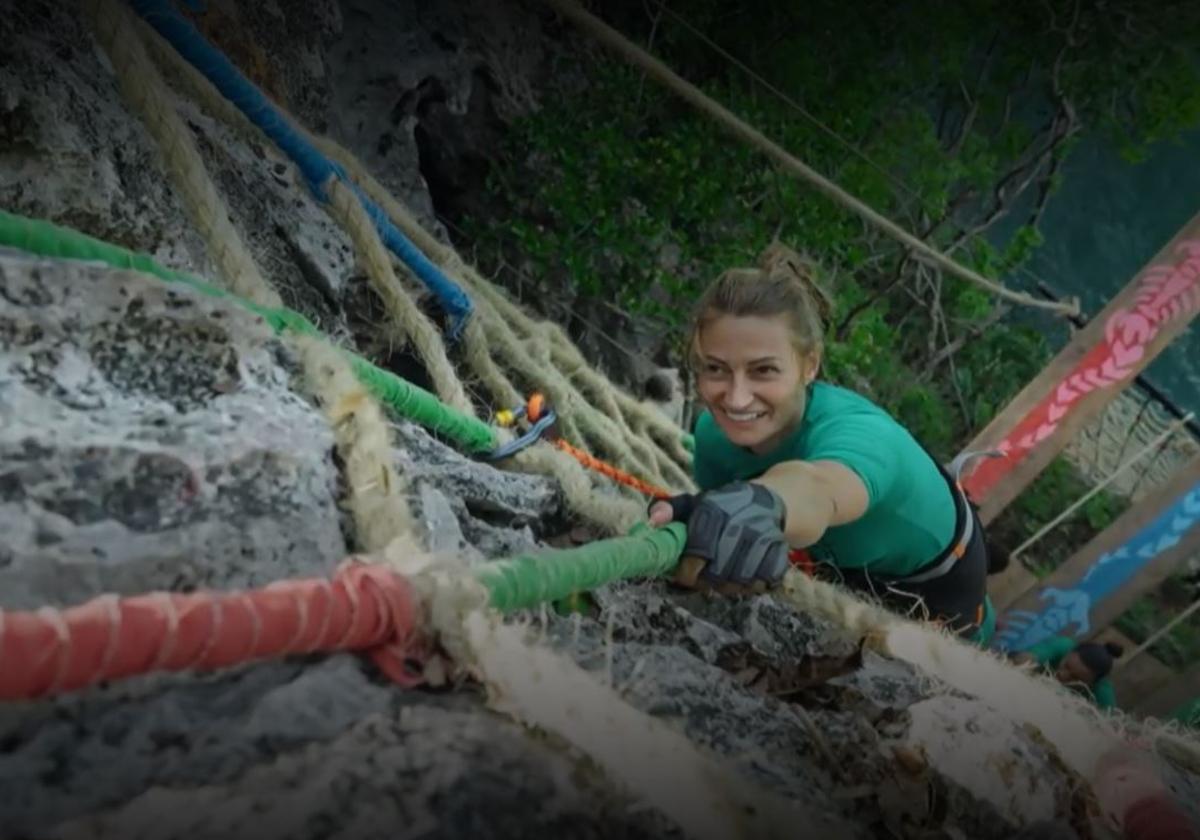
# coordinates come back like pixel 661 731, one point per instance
pixel 155 439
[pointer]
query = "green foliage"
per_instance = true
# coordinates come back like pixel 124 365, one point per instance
pixel 1177 648
pixel 622 191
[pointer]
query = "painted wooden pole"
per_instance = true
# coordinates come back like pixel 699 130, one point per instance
pixel 1102 358
pixel 1102 579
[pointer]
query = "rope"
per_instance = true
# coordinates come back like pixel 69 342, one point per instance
pixel 1154 444
pixel 413 323
pixel 738 127
pixel 145 91
pixel 613 515
pixel 530 579
pixel 675 442
pixel 366 607
pixel 1079 731
pixel 316 168
pixel 619 476
pixel 363 441
pixel 362 437
pixel 642 755
pixel 363 608
pixel 1175 621
pixel 543 421
pixel 406 399
pixel 896 180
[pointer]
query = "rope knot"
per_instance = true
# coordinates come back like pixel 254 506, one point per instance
pixel 403 648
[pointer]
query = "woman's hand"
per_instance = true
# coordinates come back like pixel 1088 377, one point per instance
pixel 735 539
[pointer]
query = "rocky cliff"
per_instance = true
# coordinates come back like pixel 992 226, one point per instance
pixel 154 438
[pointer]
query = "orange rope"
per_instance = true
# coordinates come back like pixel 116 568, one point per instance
pixel 536 407
pixel 594 463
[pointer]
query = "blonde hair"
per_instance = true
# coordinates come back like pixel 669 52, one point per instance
pixel 783 283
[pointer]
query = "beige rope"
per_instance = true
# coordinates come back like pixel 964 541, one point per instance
pixel 696 97
pixel 511 320
pixel 374 489
pixel 643 756
pixel 1154 444
pixel 349 214
pixel 1079 731
pixel 144 89
pixel 617 513
pixel 413 323
pixel 476 341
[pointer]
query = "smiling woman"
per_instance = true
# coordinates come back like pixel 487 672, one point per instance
pixel 787 462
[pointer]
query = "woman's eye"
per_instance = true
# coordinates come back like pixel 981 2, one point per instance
pixel 767 370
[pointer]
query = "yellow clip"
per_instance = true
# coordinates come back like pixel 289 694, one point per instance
pixel 504 417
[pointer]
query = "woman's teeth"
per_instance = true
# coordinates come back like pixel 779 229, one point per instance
pixel 744 416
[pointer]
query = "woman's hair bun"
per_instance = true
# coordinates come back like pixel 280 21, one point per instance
pixel 779 261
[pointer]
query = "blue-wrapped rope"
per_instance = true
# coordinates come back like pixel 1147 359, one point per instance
pixel 316 168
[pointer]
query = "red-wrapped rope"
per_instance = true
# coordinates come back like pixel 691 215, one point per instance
pixel 363 608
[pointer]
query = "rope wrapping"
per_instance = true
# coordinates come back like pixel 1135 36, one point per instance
pixel 316 168
pixel 532 579
pixel 363 608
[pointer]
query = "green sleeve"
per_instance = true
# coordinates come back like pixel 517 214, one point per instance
pixel 1102 690
pixel 1051 651
pixel 870 444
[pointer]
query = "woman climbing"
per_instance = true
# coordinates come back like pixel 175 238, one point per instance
pixel 785 461
pixel 1084 667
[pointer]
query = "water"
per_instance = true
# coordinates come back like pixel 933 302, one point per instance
pixel 1106 222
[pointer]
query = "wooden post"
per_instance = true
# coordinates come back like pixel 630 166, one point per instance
pixel 1103 357
pixel 1101 580
pixel 1171 696
pixel 1136 679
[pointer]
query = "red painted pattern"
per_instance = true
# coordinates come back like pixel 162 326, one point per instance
pixel 1167 293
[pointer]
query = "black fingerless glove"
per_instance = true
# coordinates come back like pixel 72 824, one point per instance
pixel 738 529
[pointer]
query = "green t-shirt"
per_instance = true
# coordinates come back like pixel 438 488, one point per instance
pixel 1050 652
pixel 910 515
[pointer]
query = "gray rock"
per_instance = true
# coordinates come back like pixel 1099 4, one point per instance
pixel 150 439
pixel 423 770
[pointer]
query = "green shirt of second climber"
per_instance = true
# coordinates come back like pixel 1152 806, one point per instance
pixel 1051 653
pixel 910 516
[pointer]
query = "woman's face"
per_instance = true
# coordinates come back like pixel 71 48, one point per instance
pixel 1072 670
pixel 751 378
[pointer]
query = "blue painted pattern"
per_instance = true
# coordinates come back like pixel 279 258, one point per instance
pixel 1066 611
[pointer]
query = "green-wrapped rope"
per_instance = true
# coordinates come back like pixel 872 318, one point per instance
pixel 531 579
pixel 408 400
